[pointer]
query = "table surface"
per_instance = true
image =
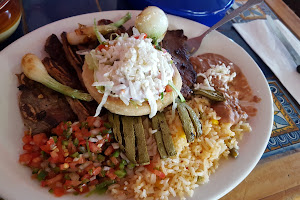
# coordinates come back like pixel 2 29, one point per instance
pixel 277 176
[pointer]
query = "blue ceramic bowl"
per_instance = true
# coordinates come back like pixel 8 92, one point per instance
pixel 207 12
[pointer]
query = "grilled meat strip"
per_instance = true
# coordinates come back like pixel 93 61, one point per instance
pixel 61 76
pixel 74 59
pixel 173 42
pixel 42 108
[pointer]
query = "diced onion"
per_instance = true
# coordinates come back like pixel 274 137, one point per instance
pixel 115 145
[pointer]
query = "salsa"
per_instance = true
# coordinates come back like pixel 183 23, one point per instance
pixel 80 157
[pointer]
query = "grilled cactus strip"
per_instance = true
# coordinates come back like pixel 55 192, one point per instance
pixel 115 121
pixel 196 121
pixel 166 135
pixel 143 157
pixel 158 137
pixel 129 137
pixel 212 95
pixel 186 121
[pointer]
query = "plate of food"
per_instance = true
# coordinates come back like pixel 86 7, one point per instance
pixel 112 103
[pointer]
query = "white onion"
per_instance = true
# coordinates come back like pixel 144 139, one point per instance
pixel 115 145
pixel 93 139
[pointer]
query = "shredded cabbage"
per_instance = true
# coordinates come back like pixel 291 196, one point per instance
pixel 177 91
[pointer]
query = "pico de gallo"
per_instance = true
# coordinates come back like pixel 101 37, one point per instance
pixel 78 158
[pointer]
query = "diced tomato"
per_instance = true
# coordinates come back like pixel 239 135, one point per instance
pixel 75 127
pixel 59 191
pixel 79 135
pixel 43 183
pixel 93 182
pixel 97 171
pixel 100 143
pixel 102 46
pixel 45 148
pixel 151 168
pixel 114 160
pixel 85 132
pixel 81 160
pixel 73 165
pixel 64 166
pixel 27 139
pixel 109 150
pixel 107 137
pixel 40 139
pixel 54 155
pixel 93 147
pixel 82 189
pixel 111 174
pixel 102 128
pixel 69 160
pixel 28 147
pixel 54 179
pixel 144 37
pixel 169 88
pixel 82 142
pixel 37 160
pixel 88 168
pixel 86 176
pixel 50 141
pixel 51 174
pixel 90 120
pixel 58 130
pixel 73 183
pixel 71 148
pixel 160 174
pixel 25 158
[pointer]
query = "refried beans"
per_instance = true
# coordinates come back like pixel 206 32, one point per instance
pixel 239 103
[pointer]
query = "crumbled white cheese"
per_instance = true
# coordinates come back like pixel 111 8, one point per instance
pixel 220 72
pixel 133 70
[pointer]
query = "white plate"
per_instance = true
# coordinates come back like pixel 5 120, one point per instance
pixel 15 181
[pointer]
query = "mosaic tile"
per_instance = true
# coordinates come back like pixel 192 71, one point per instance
pixel 286 125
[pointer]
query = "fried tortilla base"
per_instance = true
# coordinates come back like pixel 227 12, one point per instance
pixel 116 105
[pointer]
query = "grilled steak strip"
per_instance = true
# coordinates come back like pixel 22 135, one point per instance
pixel 173 42
pixel 59 73
pixel 42 108
pixel 74 59
pixel 61 76
pixel 55 50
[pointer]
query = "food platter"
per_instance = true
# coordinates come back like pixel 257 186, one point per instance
pixel 15 179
